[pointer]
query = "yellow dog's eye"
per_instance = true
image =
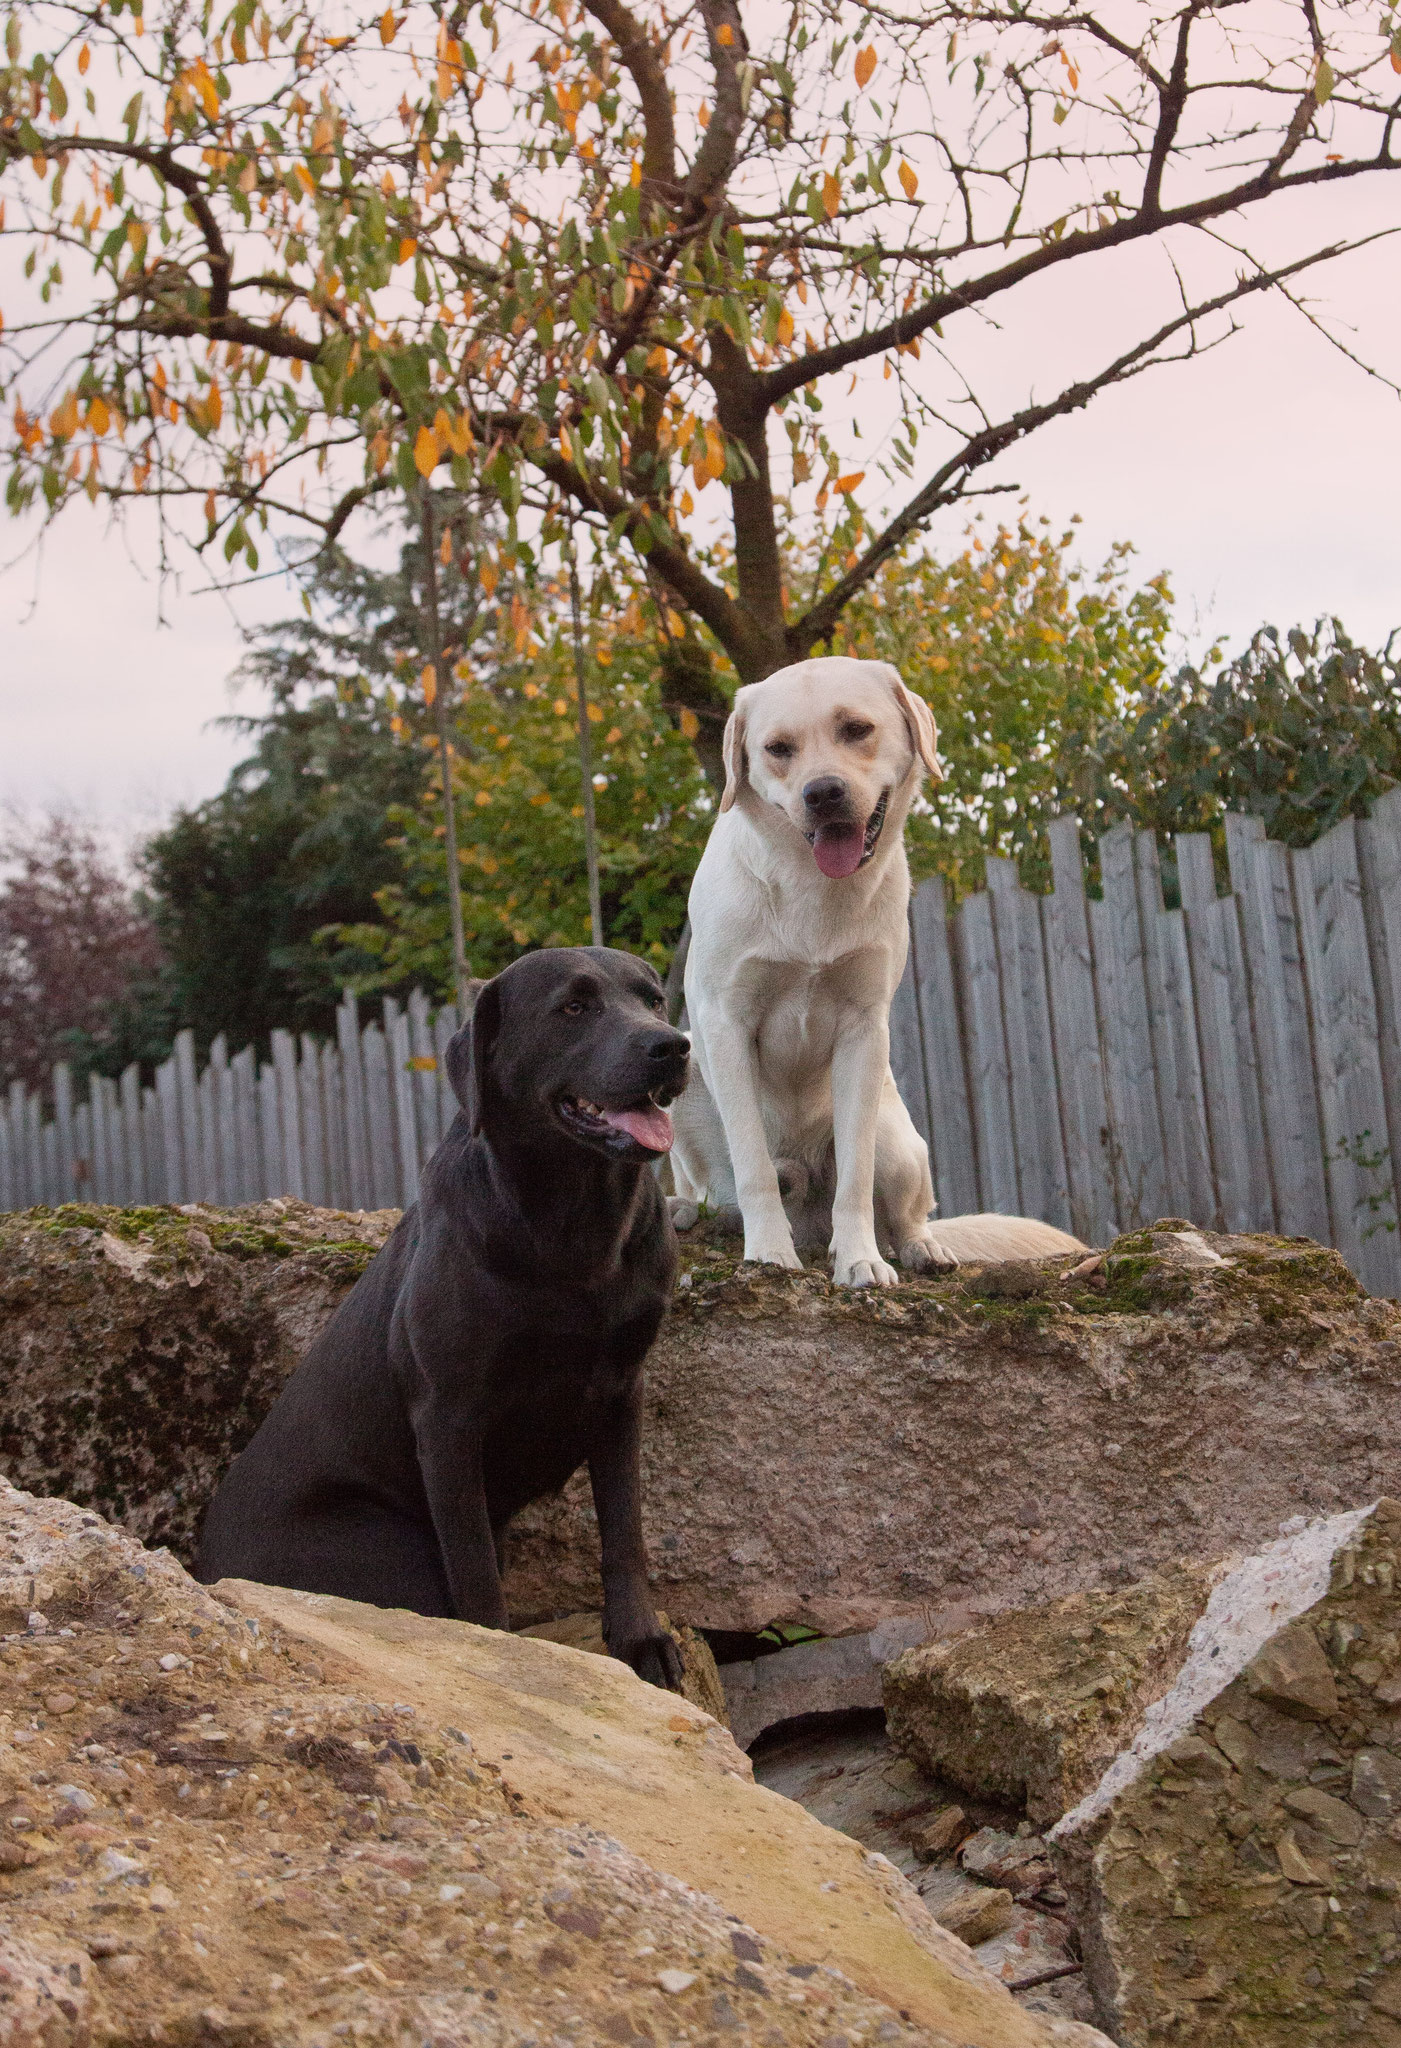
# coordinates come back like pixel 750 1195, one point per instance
pixel 782 750
pixel 854 730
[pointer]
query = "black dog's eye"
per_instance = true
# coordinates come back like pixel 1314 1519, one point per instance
pixel 782 750
pixel 575 1007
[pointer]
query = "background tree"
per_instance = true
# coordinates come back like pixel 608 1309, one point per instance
pixel 1302 729
pixel 240 886
pixel 81 967
pixel 595 258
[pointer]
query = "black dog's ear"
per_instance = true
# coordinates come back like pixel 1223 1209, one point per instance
pixel 469 1052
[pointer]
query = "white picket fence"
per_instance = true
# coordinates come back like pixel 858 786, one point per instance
pixel 1097 1063
pixel 349 1125
pixel 1236 1062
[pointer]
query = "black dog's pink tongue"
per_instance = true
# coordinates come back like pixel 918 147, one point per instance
pixel 837 849
pixel 650 1127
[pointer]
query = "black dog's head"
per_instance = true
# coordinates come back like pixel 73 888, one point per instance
pixel 572 1042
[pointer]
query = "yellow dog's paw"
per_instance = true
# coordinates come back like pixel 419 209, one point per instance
pixel 865 1273
pixel 925 1254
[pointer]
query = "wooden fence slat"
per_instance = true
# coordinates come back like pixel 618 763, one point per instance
pixel 333 1122
pixel 133 1136
pixel 207 1166
pixel 33 1148
pixel 907 1048
pixel 990 1084
pixel 1229 1067
pixel 444 1031
pixel 359 1181
pixel 15 1123
pixel 224 1144
pixel 1379 862
pixel 118 1178
pixel 384 1150
pixel 396 1040
pixel 309 1118
pixel 1126 1037
pixel 1026 1017
pixel 1261 881
pixel 953 1160
pixel 1191 1185
pixel 152 1148
pixel 271 1148
pixel 243 1116
pixel 284 1065
pixel 1343 1007
pixel 1075 1029
pixel 192 1172
pixel 9 1188
pixel 63 1120
pixel 167 1094
pixel 424 1076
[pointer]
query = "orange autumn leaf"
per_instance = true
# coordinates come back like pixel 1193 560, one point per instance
pixel 387 26
pixel 844 484
pixel 488 576
pixel 425 451
pixel 908 181
pixel 831 194
pixel 784 331
pixel 407 248
pixel 63 420
pixel 865 64
pixel 99 418
pixel 429 680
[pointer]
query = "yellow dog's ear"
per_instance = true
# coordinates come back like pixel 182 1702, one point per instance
pixel 736 766
pixel 919 723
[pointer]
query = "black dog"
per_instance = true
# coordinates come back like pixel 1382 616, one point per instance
pixel 496 1343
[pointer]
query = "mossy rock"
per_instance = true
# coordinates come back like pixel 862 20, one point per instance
pixel 140 1348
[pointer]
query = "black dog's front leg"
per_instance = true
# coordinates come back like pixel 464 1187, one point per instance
pixel 451 1464
pixel 630 1626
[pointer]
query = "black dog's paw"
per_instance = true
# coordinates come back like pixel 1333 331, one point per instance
pixel 653 1655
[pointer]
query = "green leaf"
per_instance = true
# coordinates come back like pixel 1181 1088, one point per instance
pixel 1324 81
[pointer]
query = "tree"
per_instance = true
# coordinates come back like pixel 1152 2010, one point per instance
pixel 594 258
pixel 520 817
pixel 80 962
pixel 241 886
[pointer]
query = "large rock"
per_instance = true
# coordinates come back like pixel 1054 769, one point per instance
pixel 140 1348
pixel 933 1452
pixel 1236 1872
pixel 243 1816
pixel 1033 1706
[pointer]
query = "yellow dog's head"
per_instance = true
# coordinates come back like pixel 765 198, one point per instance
pixel 830 743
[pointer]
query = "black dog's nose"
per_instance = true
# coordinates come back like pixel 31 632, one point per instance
pixel 669 1045
pixel 825 793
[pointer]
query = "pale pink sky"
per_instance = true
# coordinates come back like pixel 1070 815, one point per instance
pixel 1265 478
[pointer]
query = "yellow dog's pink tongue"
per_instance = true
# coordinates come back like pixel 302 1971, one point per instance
pixel 650 1127
pixel 837 849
